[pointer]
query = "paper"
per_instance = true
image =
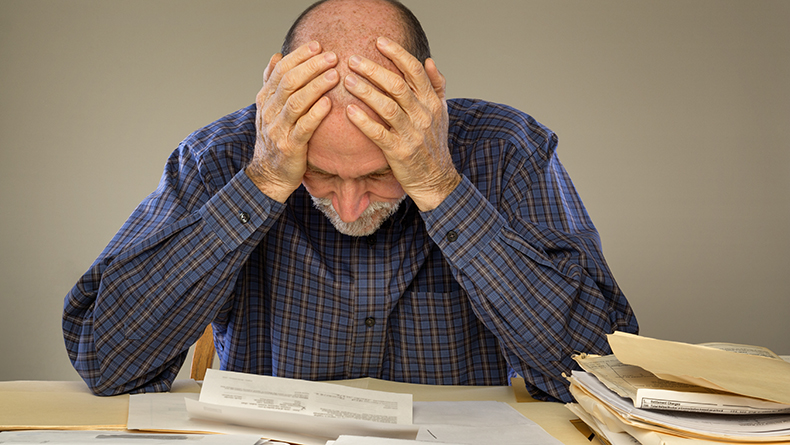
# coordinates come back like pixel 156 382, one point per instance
pixel 602 430
pixel 321 410
pixel 749 375
pixel 645 435
pixel 477 422
pixel 751 428
pixel 121 438
pixel 167 412
pixel 649 392
pixel 363 440
pixel 461 422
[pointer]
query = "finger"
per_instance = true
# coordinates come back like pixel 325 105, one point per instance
pixel 438 81
pixel 370 128
pixel 385 106
pixel 387 81
pixel 309 122
pixel 293 59
pixel 412 69
pixel 270 67
pixel 297 77
pixel 293 81
pixel 300 101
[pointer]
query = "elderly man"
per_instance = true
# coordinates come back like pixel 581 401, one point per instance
pixel 353 222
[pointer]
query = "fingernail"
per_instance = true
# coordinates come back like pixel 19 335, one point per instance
pixel 383 41
pixel 351 80
pixel 331 75
pixel 314 46
pixel 330 57
pixel 352 110
pixel 354 61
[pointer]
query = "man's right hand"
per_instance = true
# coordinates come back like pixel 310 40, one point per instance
pixel 291 106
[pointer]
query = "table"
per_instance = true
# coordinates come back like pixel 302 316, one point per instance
pixel 71 405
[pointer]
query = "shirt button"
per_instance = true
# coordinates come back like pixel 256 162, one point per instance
pixel 370 322
pixel 371 240
pixel 244 217
pixel 452 236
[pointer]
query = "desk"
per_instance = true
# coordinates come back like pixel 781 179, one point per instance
pixel 70 405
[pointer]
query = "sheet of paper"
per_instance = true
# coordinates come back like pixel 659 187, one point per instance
pixel 122 438
pixel 476 422
pixel 750 375
pixel 315 409
pixel 363 440
pixel 168 412
pixel 297 427
pixel 649 392
pixel 317 399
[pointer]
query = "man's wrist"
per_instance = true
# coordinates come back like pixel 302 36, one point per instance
pixel 271 188
pixel 440 192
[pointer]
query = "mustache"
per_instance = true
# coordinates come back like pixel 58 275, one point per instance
pixel 368 222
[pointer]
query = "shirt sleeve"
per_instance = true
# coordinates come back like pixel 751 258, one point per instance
pixel 131 318
pixel 531 263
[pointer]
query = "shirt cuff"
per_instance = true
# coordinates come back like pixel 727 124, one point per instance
pixel 464 223
pixel 238 210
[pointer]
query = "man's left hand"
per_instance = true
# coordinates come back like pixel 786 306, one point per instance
pixel 415 109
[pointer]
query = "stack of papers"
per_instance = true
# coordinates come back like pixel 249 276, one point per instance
pixel 657 392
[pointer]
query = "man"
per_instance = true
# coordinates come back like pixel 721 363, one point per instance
pixel 353 223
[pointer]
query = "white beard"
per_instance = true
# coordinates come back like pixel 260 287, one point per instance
pixel 368 222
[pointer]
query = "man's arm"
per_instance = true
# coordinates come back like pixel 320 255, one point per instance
pixel 534 273
pixel 130 320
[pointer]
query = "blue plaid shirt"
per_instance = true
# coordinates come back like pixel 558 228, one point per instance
pixel 506 276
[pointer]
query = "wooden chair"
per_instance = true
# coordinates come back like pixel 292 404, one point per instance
pixel 203 356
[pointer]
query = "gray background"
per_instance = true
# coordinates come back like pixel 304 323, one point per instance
pixel 673 118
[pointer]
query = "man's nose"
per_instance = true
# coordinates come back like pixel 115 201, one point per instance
pixel 350 200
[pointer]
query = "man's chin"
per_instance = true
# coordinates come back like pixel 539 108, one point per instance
pixel 367 223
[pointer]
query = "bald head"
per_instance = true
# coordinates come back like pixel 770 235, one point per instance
pixel 415 41
pixel 349 27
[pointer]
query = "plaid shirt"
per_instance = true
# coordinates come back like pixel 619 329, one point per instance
pixel 506 276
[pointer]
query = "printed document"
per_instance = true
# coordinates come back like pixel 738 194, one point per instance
pixel 317 409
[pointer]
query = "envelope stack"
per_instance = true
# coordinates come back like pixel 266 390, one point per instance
pixel 655 392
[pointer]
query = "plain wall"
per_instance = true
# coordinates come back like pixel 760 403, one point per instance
pixel 673 119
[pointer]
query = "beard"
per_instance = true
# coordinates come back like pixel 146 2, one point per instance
pixel 368 222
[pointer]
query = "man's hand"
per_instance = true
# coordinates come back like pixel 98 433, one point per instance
pixel 290 108
pixel 415 109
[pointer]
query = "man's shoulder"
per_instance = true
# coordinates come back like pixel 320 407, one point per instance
pixel 237 128
pixel 474 120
